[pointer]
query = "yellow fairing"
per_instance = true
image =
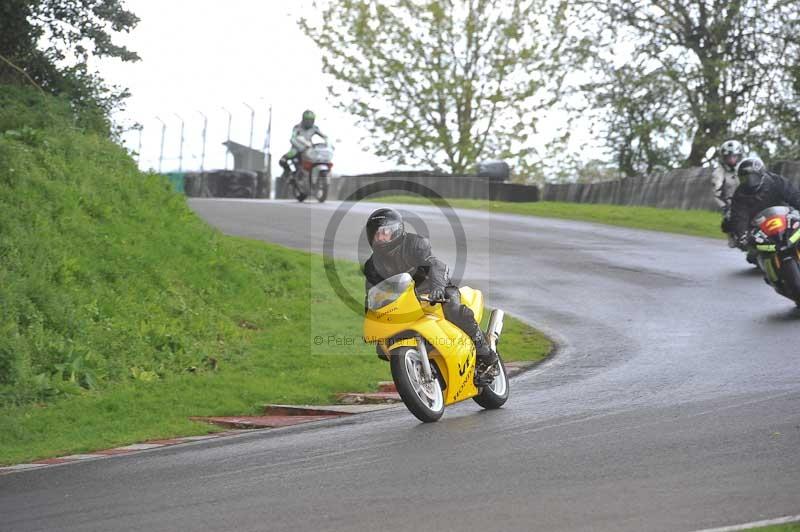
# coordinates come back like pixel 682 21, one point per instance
pixel 452 350
pixel 474 300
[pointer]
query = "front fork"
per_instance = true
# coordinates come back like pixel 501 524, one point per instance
pixel 427 374
pixel 772 263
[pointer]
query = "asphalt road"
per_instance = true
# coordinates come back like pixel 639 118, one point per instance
pixel 672 404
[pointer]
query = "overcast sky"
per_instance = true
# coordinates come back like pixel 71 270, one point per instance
pixel 202 55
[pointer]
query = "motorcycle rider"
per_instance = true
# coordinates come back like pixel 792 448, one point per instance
pixel 758 189
pixel 306 130
pixel 395 251
pixel 724 181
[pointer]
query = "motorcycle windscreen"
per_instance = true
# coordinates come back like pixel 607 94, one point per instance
pixel 388 291
pixel 320 154
pixel 766 214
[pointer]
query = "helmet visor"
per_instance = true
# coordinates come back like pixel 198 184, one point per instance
pixel 753 180
pixel 387 233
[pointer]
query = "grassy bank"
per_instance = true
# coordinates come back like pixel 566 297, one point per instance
pixel 122 313
pixel 691 222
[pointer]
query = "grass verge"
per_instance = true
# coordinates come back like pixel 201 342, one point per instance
pixel 278 360
pixel 685 222
pixel 788 527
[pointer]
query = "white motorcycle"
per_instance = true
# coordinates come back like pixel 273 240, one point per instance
pixel 310 177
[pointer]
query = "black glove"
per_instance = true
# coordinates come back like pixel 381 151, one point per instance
pixel 725 226
pixel 437 294
pixel 744 241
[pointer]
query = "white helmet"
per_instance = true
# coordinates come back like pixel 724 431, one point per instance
pixel 730 154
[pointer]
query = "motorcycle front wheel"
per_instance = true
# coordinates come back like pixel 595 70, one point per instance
pixel 322 189
pixel 424 400
pixel 495 394
pixel 299 191
pixel 790 275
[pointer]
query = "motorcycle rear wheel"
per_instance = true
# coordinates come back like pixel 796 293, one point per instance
pixel 425 401
pixel 495 394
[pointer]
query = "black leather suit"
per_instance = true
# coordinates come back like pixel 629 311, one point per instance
pixel 775 190
pixel 412 254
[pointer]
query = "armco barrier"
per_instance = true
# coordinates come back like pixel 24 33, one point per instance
pixel 359 187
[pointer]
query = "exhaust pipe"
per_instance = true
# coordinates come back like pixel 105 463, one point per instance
pixel 495 328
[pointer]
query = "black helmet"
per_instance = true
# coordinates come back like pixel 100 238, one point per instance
pixel 385 229
pixel 308 120
pixel 730 153
pixel 751 172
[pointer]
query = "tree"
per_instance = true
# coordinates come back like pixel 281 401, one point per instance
pixel 641 121
pixel 440 82
pixel 49 43
pixel 723 66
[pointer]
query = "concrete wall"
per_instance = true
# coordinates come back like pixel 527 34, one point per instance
pixel 246 158
pixel 359 187
pixel 688 188
pixel 790 169
pixel 680 189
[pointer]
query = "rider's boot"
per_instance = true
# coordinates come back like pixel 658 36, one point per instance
pixel 285 165
pixel 486 367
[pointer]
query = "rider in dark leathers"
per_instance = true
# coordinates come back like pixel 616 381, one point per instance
pixel 394 251
pixel 758 190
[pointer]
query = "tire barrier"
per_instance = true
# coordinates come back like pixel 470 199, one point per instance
pixel 226 184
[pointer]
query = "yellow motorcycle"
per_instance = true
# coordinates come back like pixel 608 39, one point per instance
pixel 433 362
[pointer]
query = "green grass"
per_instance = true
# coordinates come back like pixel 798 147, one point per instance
pixel 276 362
pixel 686 222
pixel 122 313
pixel 789 527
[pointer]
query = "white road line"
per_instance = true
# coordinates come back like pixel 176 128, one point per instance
pixel 755 524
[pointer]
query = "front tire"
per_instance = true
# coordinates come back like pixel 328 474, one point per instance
pixel 322 188
pixel 299 194
pixel 425 401
pixel 790 275
pixel 494 395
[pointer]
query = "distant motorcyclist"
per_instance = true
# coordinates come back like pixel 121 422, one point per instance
pixel 394 251
pixel 305 130
pixel 758 189
pixel 724 180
